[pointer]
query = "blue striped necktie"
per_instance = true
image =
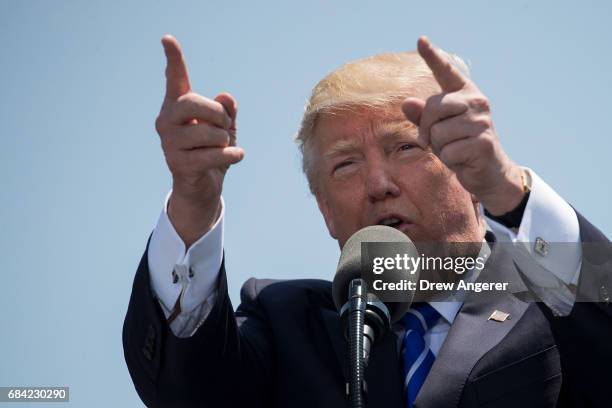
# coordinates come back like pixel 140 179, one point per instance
pixel 417 358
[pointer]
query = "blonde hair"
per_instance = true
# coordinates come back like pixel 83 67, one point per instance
pixel 374 82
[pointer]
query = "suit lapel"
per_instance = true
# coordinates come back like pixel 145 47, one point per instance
pixel 472 334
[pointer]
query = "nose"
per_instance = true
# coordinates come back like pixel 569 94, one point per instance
pixel 380 183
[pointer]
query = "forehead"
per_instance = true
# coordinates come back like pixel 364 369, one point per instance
pixel 348 127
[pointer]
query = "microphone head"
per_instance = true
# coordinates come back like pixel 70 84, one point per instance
pixel 349 266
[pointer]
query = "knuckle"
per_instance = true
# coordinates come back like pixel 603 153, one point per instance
pixel 445 155
pixel 206 107
pixel 225 139
pixel 219 110
pixel 435 131
pixel 480 103
pixel 161 123
pixel 186 102
pixel 483 122
pixel 189 97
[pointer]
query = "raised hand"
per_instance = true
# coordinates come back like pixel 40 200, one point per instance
pixel 457 124
pixel 198 137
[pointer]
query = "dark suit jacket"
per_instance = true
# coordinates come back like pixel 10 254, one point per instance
pixel 283 347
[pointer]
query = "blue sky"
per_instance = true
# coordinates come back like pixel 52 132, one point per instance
pixel 84 177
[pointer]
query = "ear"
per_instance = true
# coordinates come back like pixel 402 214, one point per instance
pixel 475 199
pixel 325 210
pixel 476 204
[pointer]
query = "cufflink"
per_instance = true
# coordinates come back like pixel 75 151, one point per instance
pixel 541 247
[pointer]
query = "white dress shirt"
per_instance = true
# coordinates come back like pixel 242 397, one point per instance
pixel 547 216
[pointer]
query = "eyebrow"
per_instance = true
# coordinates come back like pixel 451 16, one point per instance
pixel 341 147
pixel 393 129
pixel 388 130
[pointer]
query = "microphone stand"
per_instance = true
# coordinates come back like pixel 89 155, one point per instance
pixel 365 319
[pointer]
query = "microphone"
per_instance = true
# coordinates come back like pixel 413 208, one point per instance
pixel 364 317
pixel 349 266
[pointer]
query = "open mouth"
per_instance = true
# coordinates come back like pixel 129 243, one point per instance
pixel 393 222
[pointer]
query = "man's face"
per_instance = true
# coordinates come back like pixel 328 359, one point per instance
pixel 370 170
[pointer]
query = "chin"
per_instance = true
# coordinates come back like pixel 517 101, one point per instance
pixel 412 231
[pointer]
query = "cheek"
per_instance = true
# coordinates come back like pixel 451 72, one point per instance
pixel 430 184
pixel 445 206
pixel 346 205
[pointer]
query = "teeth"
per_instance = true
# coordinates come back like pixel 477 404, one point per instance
pixel 389 221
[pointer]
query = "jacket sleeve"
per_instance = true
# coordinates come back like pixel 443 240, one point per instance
pixel 584 336
pixel 227 362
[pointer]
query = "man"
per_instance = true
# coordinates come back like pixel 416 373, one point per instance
pixel 404 140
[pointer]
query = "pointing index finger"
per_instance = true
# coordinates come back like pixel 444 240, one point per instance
pixel 177 78
pixel 446 74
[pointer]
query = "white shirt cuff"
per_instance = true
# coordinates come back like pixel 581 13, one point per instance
pixel 547 246
pixel 548 218
pixel 196 268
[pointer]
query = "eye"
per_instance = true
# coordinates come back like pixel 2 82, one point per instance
pixel 406 146
pixel 342 164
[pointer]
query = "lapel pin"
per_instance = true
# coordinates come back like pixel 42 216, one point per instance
pixel 499 316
